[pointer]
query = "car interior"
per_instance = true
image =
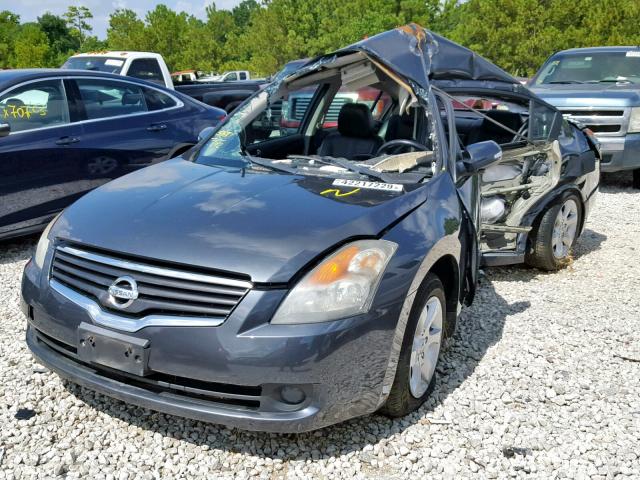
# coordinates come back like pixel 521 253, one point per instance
pixel 349 110
pixel 355 110
pixel 31 108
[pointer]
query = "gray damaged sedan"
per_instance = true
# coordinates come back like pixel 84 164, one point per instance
pixel 306 261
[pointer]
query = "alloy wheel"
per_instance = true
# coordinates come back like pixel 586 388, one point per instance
pixel 564 229
pixel 425 349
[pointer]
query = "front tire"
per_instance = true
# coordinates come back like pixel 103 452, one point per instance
pixel 636 179
pixel 421 350
pixel 552 245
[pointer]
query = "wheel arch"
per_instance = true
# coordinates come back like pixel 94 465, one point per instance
pixel 534 217
pixel 444 264
pixel 447 270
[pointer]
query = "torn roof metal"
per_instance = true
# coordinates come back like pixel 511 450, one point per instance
pixel 422 57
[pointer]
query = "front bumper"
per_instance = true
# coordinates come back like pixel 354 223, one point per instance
pixel 620 153
pixel 233 374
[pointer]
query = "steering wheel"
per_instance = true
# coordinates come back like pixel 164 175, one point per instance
pixel 522 132
pixel 401 142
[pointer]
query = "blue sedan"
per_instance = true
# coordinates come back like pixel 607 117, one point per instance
pixel 64 133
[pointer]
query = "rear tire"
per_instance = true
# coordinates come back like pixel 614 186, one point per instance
pixel 412 386
pixel 552 245
pixel 636 179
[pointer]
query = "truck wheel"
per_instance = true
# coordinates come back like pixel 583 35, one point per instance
pixel 636 179
pixel 421 349
pixel 556 235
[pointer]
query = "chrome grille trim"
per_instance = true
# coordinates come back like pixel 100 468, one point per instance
pixel 164 296
pixel 604 121
pixel 164 272
pixel 106 319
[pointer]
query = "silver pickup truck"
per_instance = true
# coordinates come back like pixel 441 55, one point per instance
pixel 600 88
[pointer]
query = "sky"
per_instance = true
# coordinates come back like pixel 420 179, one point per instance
pixel 29 10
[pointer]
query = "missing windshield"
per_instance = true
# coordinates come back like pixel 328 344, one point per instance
pixel 345 117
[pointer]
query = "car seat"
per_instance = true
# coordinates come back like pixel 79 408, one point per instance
pixel 355 138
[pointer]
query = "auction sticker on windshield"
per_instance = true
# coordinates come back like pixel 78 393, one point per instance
pixel 388 187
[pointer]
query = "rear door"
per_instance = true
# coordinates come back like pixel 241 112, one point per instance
pixel 125 126
pixel 36 180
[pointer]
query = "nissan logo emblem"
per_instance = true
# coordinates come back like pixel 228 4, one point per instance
pixel 122 292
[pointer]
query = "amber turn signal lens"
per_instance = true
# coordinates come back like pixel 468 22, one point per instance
pixel 334 268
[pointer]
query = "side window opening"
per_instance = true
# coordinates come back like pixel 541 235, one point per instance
pixel 108 98
pixel 281 118
pixel 35 105
pixel 495 114
pixel 146 69
pixel 157 100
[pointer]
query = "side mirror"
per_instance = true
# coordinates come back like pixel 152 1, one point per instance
pixel 5 129
pixel 478 156
pixel 205 133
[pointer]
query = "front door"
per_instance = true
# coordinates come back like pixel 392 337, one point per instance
pixel 34 175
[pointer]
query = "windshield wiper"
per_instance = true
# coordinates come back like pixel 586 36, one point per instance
pixel 563 82
pixel 609 81
pixel 352 167
pixel 266 163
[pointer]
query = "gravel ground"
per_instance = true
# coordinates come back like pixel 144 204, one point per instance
pixel 540 381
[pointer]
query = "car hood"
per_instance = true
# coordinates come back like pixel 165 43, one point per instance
pixel 265 225
pixel 592 95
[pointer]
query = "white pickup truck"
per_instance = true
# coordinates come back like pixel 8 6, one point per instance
pixel 225 91
pixel 144 65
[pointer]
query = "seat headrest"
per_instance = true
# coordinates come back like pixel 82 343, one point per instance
pixel 131 98
pixel 16 102
pixel 508 119
pixel 355 120
pixel 400 127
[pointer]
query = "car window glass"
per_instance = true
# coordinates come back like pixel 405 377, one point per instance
pixel 281 118
pixel 106 98
pixel 377 101
pixel 157 100
pixel 231 77
pixel 543 122
pixel 243 76
pixel 35 105
pixel 146 69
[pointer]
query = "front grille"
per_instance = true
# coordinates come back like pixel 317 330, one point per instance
pixel 603 121
pixel 335 107
pixel 604 128
pixel 247 397
pixel 594 113
pixel 300 105
pixel 163 290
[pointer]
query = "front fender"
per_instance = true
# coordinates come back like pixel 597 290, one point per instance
pixel 433 231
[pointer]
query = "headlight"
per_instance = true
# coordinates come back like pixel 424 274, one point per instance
pixel 43 244
pixel 634 120
pixel 343 285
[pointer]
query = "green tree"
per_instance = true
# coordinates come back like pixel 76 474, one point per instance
pixel 77 20
pixel 242 12
pixel 31 47
pixel 126 31
pixel 167 32
pixel 62 43
pixel 9 26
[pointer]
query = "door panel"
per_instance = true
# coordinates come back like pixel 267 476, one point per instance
pixel 36 179
pixel 125 128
